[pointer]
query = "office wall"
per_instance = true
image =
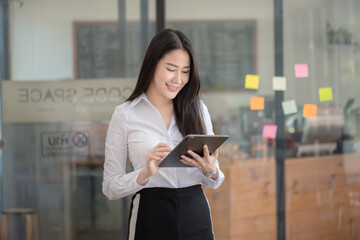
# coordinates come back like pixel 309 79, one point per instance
pixel 41 30
pixel 41 33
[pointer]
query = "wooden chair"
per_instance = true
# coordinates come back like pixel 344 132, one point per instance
pixel 31 218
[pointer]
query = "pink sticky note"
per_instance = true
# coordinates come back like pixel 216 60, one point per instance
pixel 301 70
pixel 269 131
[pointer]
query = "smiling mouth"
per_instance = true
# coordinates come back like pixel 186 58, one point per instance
pixel 172 88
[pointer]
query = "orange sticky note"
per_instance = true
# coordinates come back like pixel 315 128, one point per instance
pixel 301 70
pixel 309 110
pixel 257 103
pixel 252 81
pixel 269 131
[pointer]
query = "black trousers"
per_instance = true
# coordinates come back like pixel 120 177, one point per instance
pixel 170 214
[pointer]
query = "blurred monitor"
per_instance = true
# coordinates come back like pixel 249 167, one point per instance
pixel 317 134
pixel 325 127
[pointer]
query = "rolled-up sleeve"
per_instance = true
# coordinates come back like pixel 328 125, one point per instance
pixel 208 182
pixel 116 182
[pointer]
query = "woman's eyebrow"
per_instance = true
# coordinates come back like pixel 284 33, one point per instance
pixel 173 65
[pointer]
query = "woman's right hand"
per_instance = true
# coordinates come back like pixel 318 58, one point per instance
pixel 153 159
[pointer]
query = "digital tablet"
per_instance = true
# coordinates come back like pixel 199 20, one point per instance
pixel 195 143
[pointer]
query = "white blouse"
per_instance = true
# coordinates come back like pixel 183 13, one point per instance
pixel 136 127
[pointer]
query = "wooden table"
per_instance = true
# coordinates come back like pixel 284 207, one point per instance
pixel 322 198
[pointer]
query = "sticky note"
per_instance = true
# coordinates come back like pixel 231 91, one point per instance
pixel 257 103
pixel 325 94
pixel 289 107
pixel 301 70
pixel 269 131
pixel 309 110
pixel 279 83
pixel 252 81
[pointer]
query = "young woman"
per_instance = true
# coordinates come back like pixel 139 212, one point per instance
pixel 169 202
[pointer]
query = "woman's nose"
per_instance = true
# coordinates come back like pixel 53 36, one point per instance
pixel 177 78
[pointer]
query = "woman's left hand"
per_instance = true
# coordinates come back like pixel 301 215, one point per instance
pixel 206 164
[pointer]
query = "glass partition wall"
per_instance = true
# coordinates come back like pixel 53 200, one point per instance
pixel 72 62
pixel 235 53
pixel 291 163
pixel 322 171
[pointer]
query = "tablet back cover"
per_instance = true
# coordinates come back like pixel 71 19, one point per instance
pixel 195 143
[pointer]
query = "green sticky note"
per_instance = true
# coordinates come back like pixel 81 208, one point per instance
pixel 289 107
pixel 252 81
pixel 325 94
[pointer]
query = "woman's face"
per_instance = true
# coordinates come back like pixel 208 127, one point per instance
pixel 171 74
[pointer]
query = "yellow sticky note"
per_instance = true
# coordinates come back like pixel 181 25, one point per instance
pixel 257 103
pixel 325 94
pixel 252 81
pixel 309 110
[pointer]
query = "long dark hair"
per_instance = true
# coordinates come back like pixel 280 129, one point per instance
pixel 186 103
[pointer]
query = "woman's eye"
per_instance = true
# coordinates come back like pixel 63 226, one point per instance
pixel 170 70
pixel 186 71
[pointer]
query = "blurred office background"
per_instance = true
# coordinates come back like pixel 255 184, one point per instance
pixel 65 65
